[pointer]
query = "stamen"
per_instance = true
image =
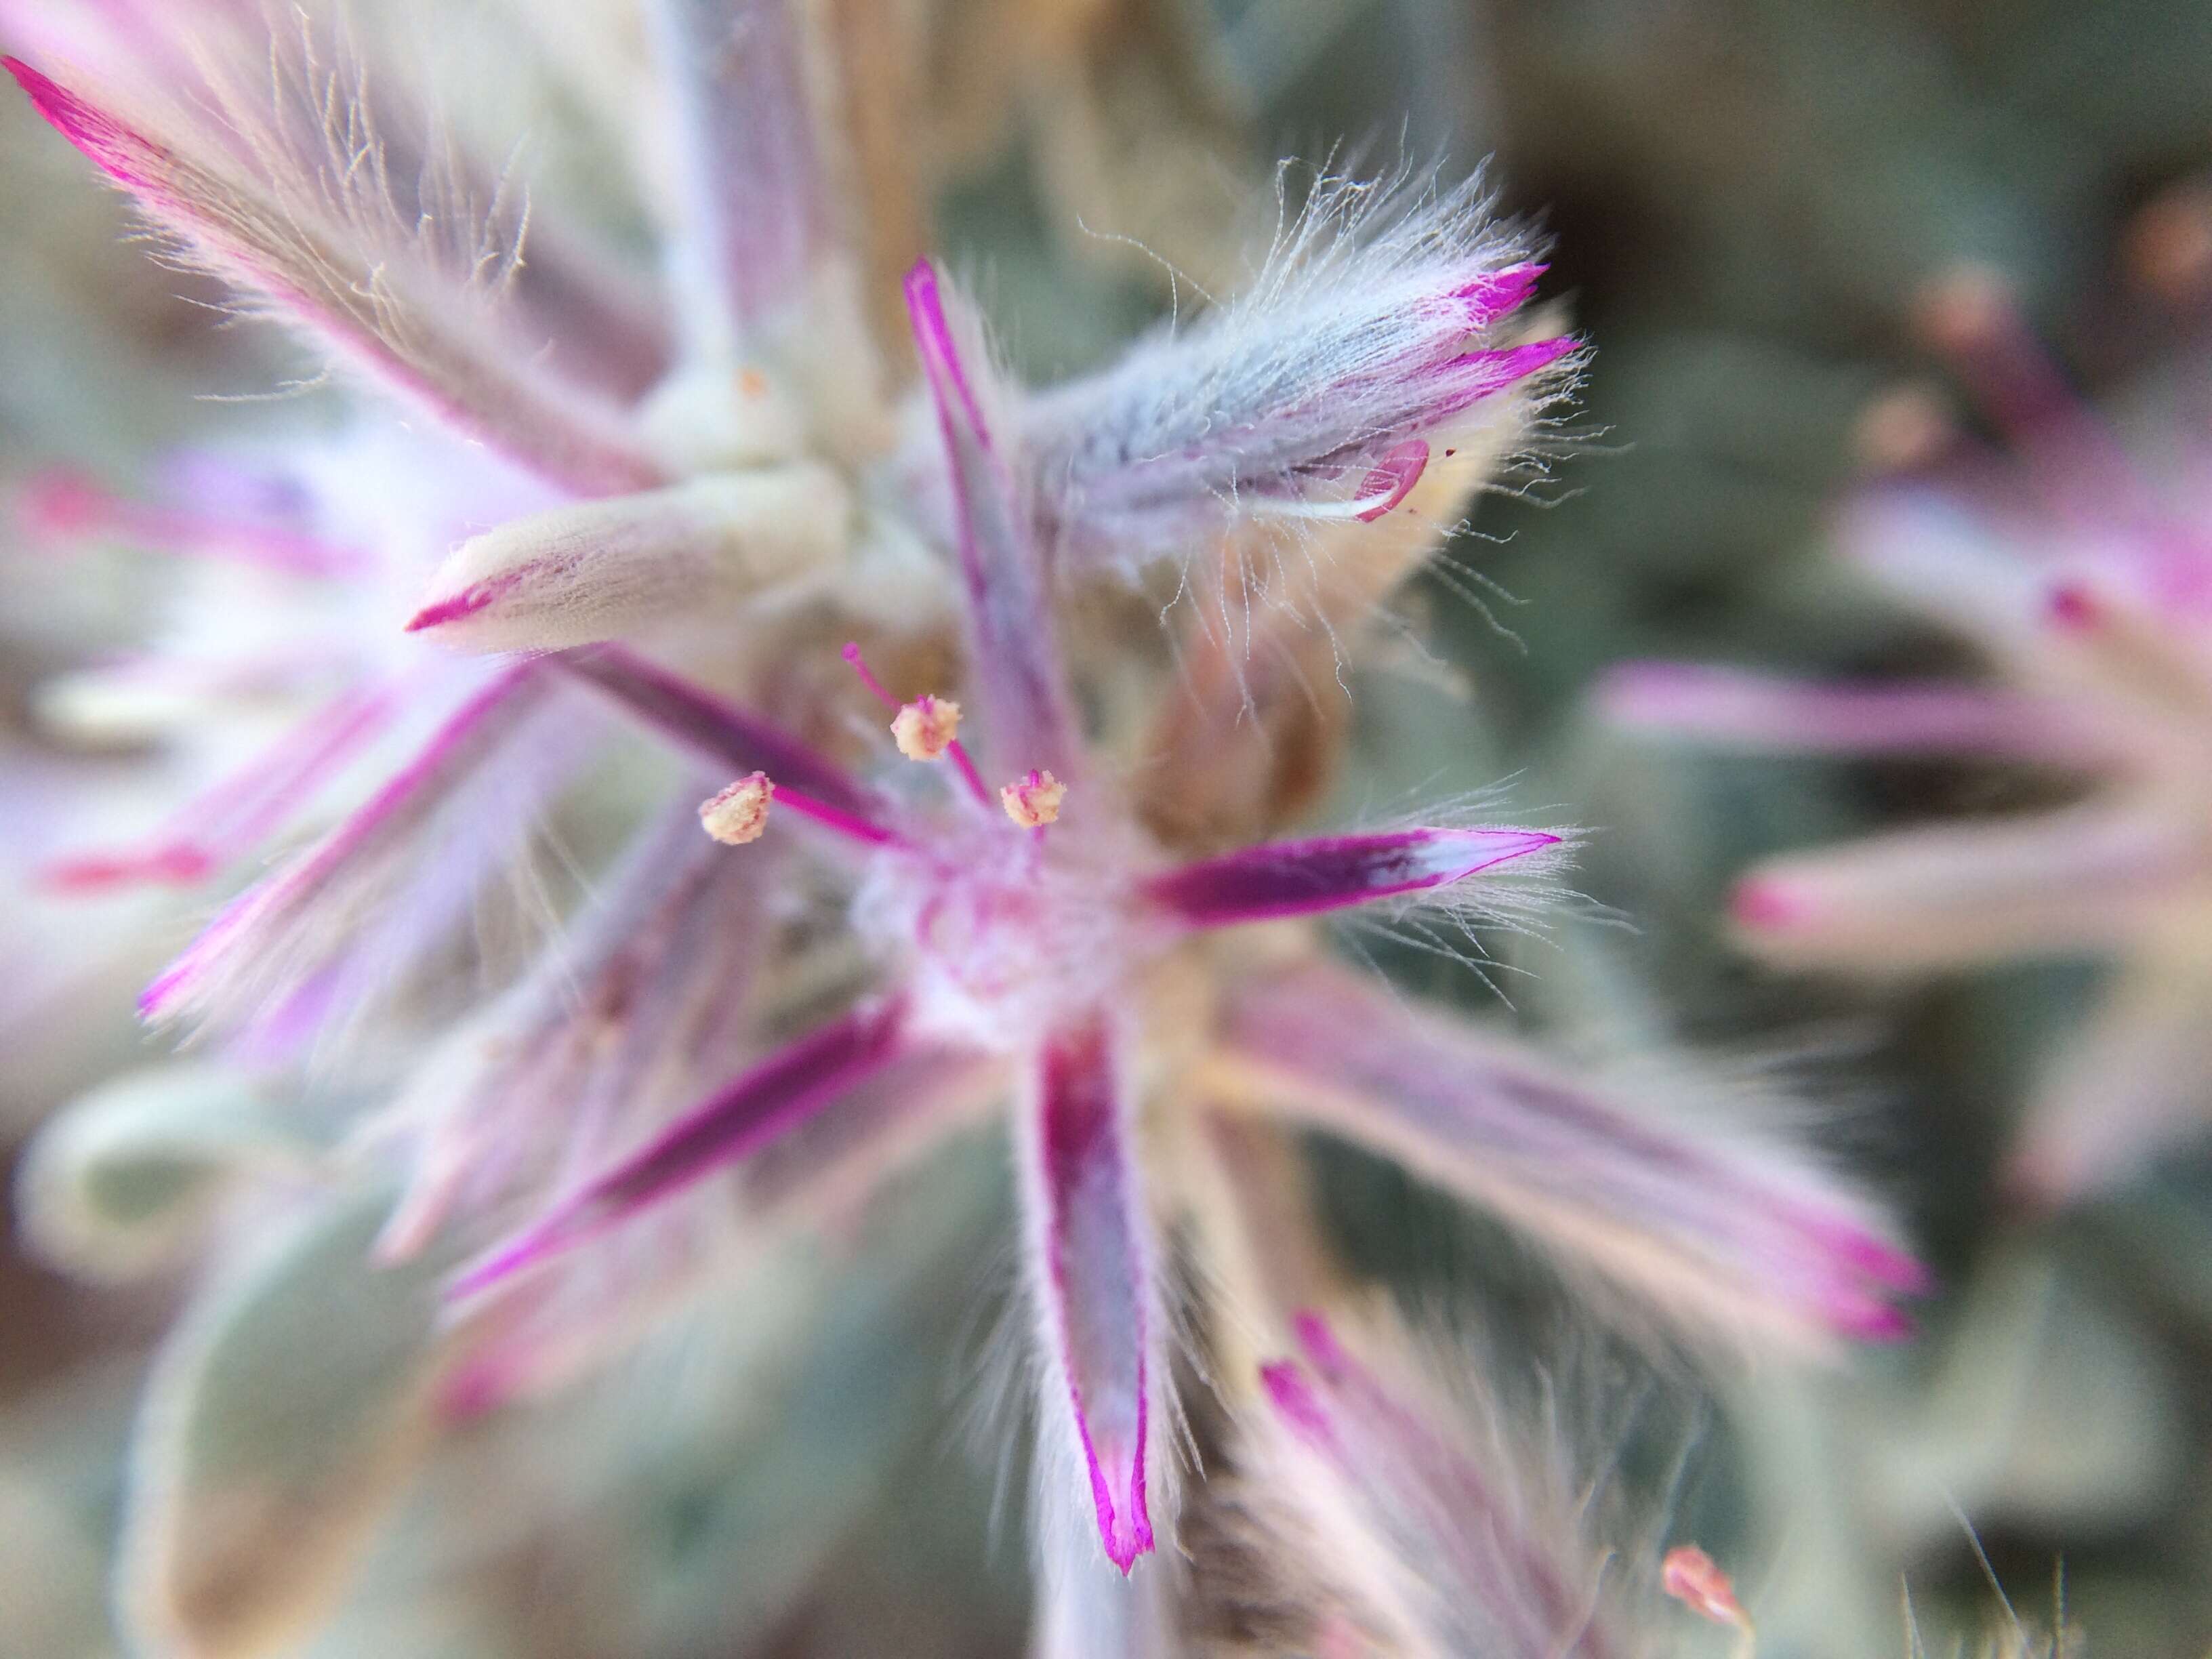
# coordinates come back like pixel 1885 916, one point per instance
pixel 1033 801
pixel 740 813
pixel 851 654
pixel 925 728
pixel 1972 317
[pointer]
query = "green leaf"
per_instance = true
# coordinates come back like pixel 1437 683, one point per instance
pixel 123 1180
pixel 286 1415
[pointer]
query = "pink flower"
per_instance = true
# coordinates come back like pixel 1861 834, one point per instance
pixel 2086 581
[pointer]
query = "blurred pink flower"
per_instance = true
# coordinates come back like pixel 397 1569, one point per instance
pixel 2086 581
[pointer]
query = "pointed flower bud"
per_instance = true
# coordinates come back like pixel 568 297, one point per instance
pixel 598 570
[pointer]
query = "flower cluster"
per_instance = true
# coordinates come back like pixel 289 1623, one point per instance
pixel 1048 897
pixel 2086 581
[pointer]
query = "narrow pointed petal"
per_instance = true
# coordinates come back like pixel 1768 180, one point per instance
pixel 753 202
pixel 1710 1220
pixel 59 505
pixel 599 570
pixel 1731 709
pixel 368 887
pixel 1091 1266
pixel 701 724
pixel 240 812
pixel 318 237
pixel 1016 658
pixel 642 1010
pixel 750 1114
pixel 1303 877
pixel 1472 376
pixel 596 321
pixel 2131 644
pixel 826 1176
pixel 1495 295
pixel 2085 879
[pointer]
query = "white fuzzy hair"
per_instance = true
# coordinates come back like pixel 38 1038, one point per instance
pixel 1288 391
pixel 282 178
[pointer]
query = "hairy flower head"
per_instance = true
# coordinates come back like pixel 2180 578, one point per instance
pixel 1103 938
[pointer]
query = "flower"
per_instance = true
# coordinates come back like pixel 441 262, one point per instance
pixel 2085 581
pixel 858 958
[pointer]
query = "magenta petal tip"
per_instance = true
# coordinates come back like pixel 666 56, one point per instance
pixel 1335 872
pixel 477 596
pixel 1765 905
pixel 2073 608
pixel 46 95
pixel 1495 294
pixel 1294 1402
pixel 1874 1321
pixel 1882 1262
pixel 111 147
pixel 1125 1539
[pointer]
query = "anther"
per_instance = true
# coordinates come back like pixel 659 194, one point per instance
pixel 925 728
pixel 738 814
pixel 1033 801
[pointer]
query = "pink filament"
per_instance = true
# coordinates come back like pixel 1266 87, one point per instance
pixel 957 750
